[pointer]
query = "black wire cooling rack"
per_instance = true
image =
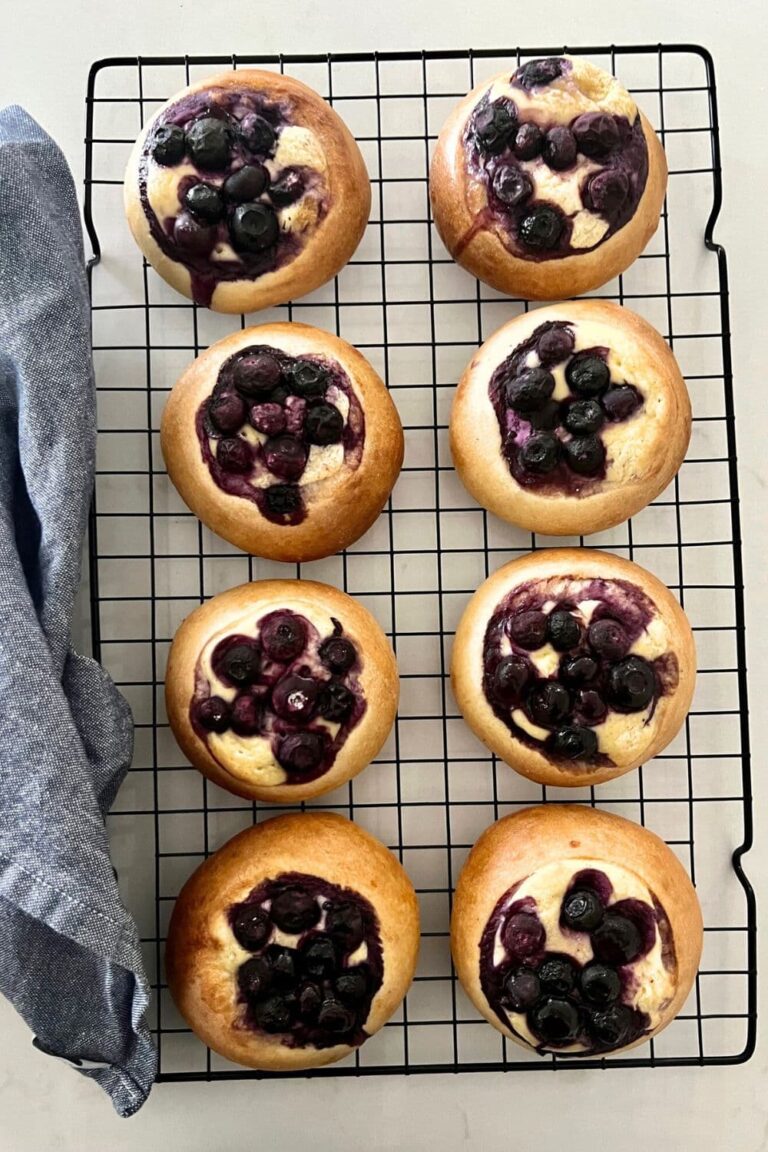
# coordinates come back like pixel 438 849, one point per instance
pixel 418 318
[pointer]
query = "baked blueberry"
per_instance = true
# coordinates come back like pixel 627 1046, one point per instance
pixel 256 373
pixel 620 402
pixel 227 412
pixel 169 144
pixel 599 984
pixel 582 910
pixel 530 390
pixel 546 418
pixel 352 984
pixel 268 418
pixel 283 499
pixel 607 191
pixel 617 940
pixel 521 989
pixel 319 956
pixel 295 411
pixel 285 456
pixel 338 654
pixel 510 677
pixel 573 742
pixel 612 1026
pixel 335 1017
pixel 528 629
pixel 323 424
pixel 252 927
pixel 274 1014
pixel 192 236
pixel 246 716
pixel 588 375
pixel 540 453
pixel 308 378
pixel 246 184
pixel 557 974
pixel 523 936
pixel 205 203
pixel 335 703
pixel 283 637
pixel 559 149
pixel 563 630
pixel 254 227
pixel 584 454
pixel 344 921
pixel 257 134
pixel 310 999
pixel 555 344
pixel 240 664
pixel 301 752
pixel 511 185
pixel 578 669
pixel 555 1021
pixel 294 697
pixel 210 141
pixel 631 684
pixel 589 705
pixel 288 187
pixel 294 909
pixel 548 703
pixel 596 133
pixel 495 125
pixel 213 714
pixel 233 454
pixel 529 140
pixel 283 964
pixel 607 638
pixel 542 227
pixel 254 977
pixel 538 73
pixel 584 417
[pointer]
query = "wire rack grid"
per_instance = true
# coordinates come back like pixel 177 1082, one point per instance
pixel 418 317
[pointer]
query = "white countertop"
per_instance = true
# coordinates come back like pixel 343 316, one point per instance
pixel 44 1105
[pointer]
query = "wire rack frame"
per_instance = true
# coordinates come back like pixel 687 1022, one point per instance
pixel 697 795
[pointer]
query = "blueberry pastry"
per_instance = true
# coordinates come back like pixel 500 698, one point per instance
pixel 574 931
pixel 547 182
pixel 283 440
pixel 293 943
pixel 281 689
pixel 570 419
pixel 246 190
pixel 574 666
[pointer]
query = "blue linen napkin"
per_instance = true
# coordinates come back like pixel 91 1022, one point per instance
pixel 70 959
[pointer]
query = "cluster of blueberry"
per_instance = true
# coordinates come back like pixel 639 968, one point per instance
pixel 282 397
pixel 308 991
pixel 595 674
pixel 280 693
pixel 212 143
pixel 565 1002
pixel 564 435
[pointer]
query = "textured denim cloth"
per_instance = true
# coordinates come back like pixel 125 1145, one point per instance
pixel 70 959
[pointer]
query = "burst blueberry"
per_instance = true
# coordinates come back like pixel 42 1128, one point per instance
pixel 302 752
pixel 205 203
pixel 210 142
pixel 559 149
pixel 257 373
pixel 563 630
pixel 495 125
pixel 588 375
pixel 596 133
pixel 319 956
pixel 584 455
pixel 257 134
pixel 538 73
pixel 578 669
pixel 523 936
pixel 294 909
pixel 511 185
pixel 274 1014
pixel 335 703
pixel 600 985
pixel 573 742
pixel 582 910
pixel 308 378
pixel 611 1027
pixel 295 697
pixel 607 191
pixel 213 714
pixel 584 417
pixel 631 684
pixel 555 1021
pixel 529 140
pixel 283 499
pixel 192 236
pixel 283 964
pixel 267 418
pixel 169 144
pixel 287 188
pixel 557 974
pixel 352 984
pixel 540 454
pixel 617 940
pixel 548 703
pixel 254 227
pixel 528 629
pixel 589 705
pixel 285 456
pixel 338 654
pixel 246 716
pixel 254 977
pixel 541 228
pixel 252 927
pixel 240 664
pixel 510 677
pixel 530 390
pixel 344 921
pixel 323 424
pixel 283 637
pixel 335 1017
pixel 521 989
pixel 607 638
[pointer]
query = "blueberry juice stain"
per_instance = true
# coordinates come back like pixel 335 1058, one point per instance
pixel 556 446
pixel 597 672
pixel 231 200
pixel 289 686
pixel 310 992
pixel 567 1004
pixel 289 400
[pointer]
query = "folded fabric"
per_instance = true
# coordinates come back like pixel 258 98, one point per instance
pixel 70 959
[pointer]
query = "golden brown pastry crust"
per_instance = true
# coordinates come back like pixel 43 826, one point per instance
pixel 378 680
pixel 655 440
pixel 202 954
pixel 519 844
pixel 457 200
pixel 333 240
pixel 340 508
pixel 467 664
